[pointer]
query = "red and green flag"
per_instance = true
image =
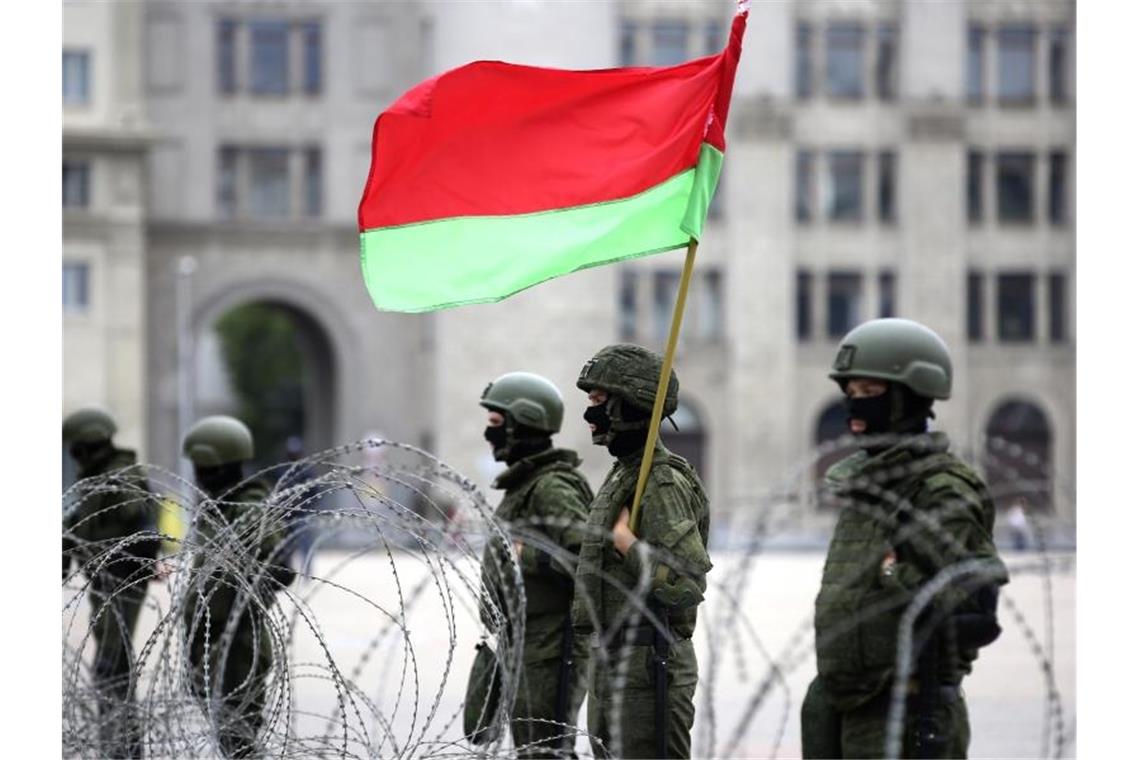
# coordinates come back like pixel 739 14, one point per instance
pixel 494 177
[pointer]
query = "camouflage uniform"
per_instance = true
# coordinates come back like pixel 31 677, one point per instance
pixel 545 501
pixel 914 498
pixel 231 533
pixel 674 525
pixel 241 561
pixel 97 523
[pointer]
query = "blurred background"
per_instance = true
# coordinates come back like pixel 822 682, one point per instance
pixel 886 158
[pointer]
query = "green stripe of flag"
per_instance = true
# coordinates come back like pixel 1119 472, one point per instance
pixel 505 254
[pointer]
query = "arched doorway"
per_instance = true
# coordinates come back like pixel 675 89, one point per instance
pixel 688 440
pixel 1019 448
pixel 829 428
pixel 271 364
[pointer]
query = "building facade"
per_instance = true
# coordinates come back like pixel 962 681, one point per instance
pixel 892 157
pixel 105 138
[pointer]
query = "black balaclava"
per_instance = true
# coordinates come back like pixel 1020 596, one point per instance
pixel 218 479
pixel 898 411
pixel 90 454
pixel 513 441
pixel 620 426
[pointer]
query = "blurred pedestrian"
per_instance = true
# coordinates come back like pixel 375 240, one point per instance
pixel 1018 524
pixel 644 706
pixel 106 535
pixel 908 510
pixel 240 563
pixel 545 498
pixel 306 502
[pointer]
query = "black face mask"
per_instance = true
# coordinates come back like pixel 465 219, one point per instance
pixel 90 453
pixel 875 411
pixel 899 411
pixel 496 435
pixel 598 416
pixel 217 480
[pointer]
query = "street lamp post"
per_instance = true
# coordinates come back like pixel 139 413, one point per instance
pixel 184 271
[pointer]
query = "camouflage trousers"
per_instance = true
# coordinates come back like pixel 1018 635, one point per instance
pixel 862 732
pixel 622 714
pixel 536 728
pixel 235 694
pixel 115 606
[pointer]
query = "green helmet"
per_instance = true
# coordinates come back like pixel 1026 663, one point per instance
pixel 899 350
pixel 527 398
pixel 217 440
pixel 631 372
pixel 88 425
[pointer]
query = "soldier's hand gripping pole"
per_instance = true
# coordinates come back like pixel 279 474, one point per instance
pixel 663 383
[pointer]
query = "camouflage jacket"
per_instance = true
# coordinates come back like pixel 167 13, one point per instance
pixel 674 528
pixel 103 513
pixel 933 511
pixel 544 505
pixel 240 557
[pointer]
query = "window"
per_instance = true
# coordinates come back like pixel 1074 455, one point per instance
pixel 704 314
pixel 227 56
pixel 284 56
pixel 1016 63
pixel 76 184
pixel 845 197
pixel 1059 65
pixel 1058 188
pixel 627 44
pixel 311 44
pixel 975 297
pixel 670 42
pixel 76 278
pixel 627 304
pixel 269 57
pixel 1058 321
pixel 975 73
pixel 805 186
pixel 716 202
pixel 803 304
pixel 845 60
pixel 886 293
pixel 887 212
pixel 76 77
pixel 227 182
pixel 974 166
pixel 715 38
pixel 314 200
pixel 803 61
pixel 665 285
pixel 710 306
pixel 1015 307
pixel 886 62
pixel 270 182
pixel 1015 187
pixel 844 302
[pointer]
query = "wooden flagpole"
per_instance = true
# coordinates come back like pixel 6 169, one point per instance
pixel 663 383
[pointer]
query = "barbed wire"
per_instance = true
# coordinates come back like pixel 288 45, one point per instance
pixel 338 617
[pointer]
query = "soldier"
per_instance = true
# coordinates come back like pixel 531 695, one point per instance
pixel 643 708
pixel 909 509
pixel 241 561
pixel 110 527
pixel 545 499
